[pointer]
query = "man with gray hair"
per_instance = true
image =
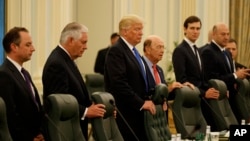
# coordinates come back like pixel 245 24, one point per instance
pixel 61 75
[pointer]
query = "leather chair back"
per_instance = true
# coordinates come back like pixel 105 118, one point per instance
pixel 156 126
pixel 63 118
pixel 94 83
pixel 4 130
pixel 221 111
pixel 105 129
pixel 187 114
pixel 243 99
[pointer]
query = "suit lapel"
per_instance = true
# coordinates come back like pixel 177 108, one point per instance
pixel 22 82
pixel 191 52
pixel 221 57
pixel 71 64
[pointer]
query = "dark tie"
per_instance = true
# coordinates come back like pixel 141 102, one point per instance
pixel 196 55
pixel 156 75
pixel 28 83
pixel 138 58
pixel 227 60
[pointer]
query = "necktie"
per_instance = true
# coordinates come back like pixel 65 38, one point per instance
pixel 196 55
pixel 138 58
pixel 156 75
pixel 227 60
pixel 28 82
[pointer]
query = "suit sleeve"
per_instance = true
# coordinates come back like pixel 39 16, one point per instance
pixel 179 63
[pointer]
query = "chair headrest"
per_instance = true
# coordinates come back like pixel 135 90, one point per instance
pixel 187 96
pixel 94 80
pixel 220 86
pixel 161 94
pixel 63 106
pixel 243 86
pixel 107 99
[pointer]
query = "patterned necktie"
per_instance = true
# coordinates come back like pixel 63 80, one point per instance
pixel 156 75
pixel 138 58
pixel 28 83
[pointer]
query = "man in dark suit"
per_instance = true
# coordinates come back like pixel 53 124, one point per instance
pixel 153 48
pixel 219 64
pixel 61 75
pixel 188 65
pixel 125 79
pixel 101 56
pixel 23 106
pixel 232 48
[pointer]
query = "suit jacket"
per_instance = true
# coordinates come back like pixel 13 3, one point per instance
pixel 150 76
pixel 186 66
pixel 60 75
pixel 239 66
pixel 217 68
pixel 124 80
pixel 100 60
pixel 23 115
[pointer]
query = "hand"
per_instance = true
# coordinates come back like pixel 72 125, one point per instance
pixel 115 113
pixel 165 106
pixel 39 137
pixel 189 85
pixel 150 106
pixel 174 85
pixel 242 73
pixel 96 110
pixel 212 93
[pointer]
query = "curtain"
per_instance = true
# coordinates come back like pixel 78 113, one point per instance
pixel 240 28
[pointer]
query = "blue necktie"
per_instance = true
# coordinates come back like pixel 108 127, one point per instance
pixel 227 60
pixel 138 58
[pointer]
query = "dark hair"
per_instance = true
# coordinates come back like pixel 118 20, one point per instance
pixel 146 43
pixel 12 36
pixel 191 19
pixel 113 35
pixel 231 40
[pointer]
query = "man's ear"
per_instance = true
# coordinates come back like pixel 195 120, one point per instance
pixel 13 46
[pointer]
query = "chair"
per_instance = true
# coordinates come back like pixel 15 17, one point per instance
pixel 243 99
pixel 221 111
pixel 4 130
pixel 187 114
pixel 105 129
pixel 156 126
pixel 94 83
pixel 63 118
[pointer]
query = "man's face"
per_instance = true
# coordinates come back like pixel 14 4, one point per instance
pixel 156 50
pixel 233 49
pixel 192 32
pixel 221 35
pixel 79 46
pixel 25 49
pixel 134 34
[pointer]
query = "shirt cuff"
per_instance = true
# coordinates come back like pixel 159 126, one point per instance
pixel 84 114
pixel 235 76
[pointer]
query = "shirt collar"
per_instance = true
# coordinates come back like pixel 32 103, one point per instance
pixel 221 48
pixel 15 63
pixel 189 42
pixel 128 44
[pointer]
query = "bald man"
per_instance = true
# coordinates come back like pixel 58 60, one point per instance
pixel 153 49
pixel 218 63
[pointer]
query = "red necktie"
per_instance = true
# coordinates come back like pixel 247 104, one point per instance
pixel 156 75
